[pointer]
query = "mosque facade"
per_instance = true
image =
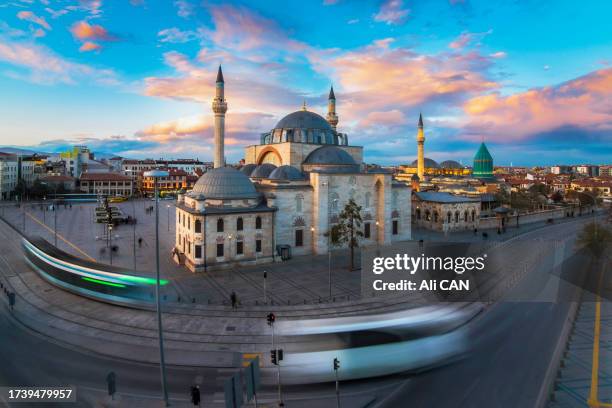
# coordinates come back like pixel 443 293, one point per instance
pixel 287 196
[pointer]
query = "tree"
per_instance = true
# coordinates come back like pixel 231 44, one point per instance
pixel 348 229
pixel 596 238
pixel 557 197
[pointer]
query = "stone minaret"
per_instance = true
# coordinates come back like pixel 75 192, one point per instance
pixel 420 149
pixel 332 118
pixel 219 107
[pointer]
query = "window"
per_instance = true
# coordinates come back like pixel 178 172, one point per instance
pixel 298 202
pixel 334 201
pixel 448 217
pixel 465 216
pixel 198 251
pixel 239 224
pixel 189 223
pixel 473 215
pixel 427 215
pixel 220 250
pixel 239 248
pixel 456 216
pixel 366 230
pixel 418 214
pixel 395 227
pixel 435 216
pixel 258 223
pixel 258 245
pixel 220 225
pixel 299 238
pixel 198 226
pixel 368 195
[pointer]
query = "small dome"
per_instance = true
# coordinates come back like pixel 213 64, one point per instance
pixel 429 163
pixel 247 169
pixel 224 183
pixel 303 119
pixel 329 155
pixel 451 164
pixel 263 170
pixel 286 173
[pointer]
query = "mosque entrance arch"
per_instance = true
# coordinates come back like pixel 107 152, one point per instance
pixel 270 155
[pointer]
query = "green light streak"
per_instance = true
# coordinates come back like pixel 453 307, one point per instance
pixel 101 282
pixel 142 279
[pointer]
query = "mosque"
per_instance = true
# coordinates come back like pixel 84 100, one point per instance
pixel 284 200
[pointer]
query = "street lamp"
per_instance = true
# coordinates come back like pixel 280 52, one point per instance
pixel 156 174
pixel 168 216
pixel 133 198
pixel 110 245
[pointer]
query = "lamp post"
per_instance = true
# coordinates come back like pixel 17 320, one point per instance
pixel 133 198
pixel 377 239
pixel 168 206
pixel 155 174
pixel 110 238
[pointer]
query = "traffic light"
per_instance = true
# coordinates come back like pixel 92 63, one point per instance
pixel 276 356
pixel 336 364
pixel 271 318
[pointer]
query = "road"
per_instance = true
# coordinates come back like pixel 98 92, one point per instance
pixel 511 348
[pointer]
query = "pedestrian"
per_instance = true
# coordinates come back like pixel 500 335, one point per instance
pixel 195 395
pixel 234 300
pixel 139 242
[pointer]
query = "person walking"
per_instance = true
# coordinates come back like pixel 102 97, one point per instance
pixel 234 300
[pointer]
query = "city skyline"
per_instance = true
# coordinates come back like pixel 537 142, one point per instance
pixel 83 73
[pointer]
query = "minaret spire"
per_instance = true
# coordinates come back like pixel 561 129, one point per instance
pixel 219 107
pixel 332 118
pixel 420 149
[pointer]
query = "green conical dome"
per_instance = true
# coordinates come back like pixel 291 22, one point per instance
pixel 483 162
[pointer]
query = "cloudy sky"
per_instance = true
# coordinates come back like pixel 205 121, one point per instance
pixel 533 78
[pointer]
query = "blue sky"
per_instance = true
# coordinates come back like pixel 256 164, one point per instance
pixel 135 78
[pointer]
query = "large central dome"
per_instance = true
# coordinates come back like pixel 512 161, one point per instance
pixel 303 119
pixel 224 183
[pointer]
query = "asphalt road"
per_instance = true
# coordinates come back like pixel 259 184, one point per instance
pixel 511 347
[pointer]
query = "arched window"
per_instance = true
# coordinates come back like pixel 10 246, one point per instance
pixel 465 216
pixel 418 214
pixel 334 198
pixel 239 224
pixel 220 225
pixel 298 203
pixel 456 216
pixel 435 216
pixel 198 226
pixel 258 223
pixel 427 215
pixel 473 215
pixel 368 196
pixel 448 217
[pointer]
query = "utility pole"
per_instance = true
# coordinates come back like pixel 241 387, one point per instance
pixel 336 367
pixel 265 276
pixel 155 174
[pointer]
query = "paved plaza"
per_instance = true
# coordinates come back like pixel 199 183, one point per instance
pixel 299 280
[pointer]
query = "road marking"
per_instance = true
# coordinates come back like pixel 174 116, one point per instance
pixel 61 237
pixel 593 400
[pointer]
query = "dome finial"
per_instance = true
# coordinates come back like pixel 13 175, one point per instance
pixel 304 105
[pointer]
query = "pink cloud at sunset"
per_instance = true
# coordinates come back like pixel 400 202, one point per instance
pixel 398 78
pixel 44 66
pixel 241 128
pixel 33 18
pixel 392 12
pixel 585 102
